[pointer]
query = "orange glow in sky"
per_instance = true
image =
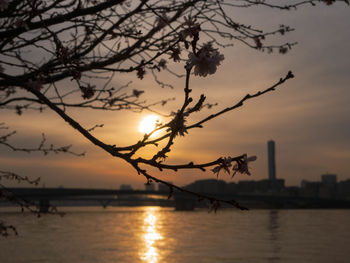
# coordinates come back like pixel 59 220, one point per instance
pixel 148 124
pixel 308 117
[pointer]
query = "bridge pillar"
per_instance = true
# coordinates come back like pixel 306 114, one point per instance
pixel 44 205
pixel 105 203
pixel 184 202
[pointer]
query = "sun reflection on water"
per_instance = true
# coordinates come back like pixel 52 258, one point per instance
pixel 150 236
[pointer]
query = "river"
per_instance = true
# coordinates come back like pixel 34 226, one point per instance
pixel 157 235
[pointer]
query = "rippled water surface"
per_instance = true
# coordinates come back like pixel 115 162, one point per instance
pixel 154 235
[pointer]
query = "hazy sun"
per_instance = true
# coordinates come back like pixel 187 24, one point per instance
pixel 148 123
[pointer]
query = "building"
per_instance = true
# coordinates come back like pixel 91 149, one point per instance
pixel 125 187
pixel 207 186
pixel 344 190
pixel 271 160
pixel 329 186
pixel 262 186
pixel 246 186
pixel 329 179
pixel 149 187
pixel 310 189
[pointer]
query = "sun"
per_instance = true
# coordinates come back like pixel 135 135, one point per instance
pixel 148 123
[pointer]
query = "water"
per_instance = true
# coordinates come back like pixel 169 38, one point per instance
pixel 157 235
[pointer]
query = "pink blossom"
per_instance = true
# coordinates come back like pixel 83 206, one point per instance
pixel 162 63
pixel 87 91
pixel 177 125
pixel 76 75
pixel 4 4
pixel 191 28
pixel 242 165
pixel 140 72
pixel 205 61
pixel 175 54
pixel 35 84
pixel 225 164
pixel 137 93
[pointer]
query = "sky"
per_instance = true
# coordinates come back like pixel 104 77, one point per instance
pixel 308 117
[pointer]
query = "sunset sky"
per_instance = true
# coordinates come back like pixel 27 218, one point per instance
pixel 308 117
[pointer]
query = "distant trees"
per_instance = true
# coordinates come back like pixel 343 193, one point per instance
pixel 46 44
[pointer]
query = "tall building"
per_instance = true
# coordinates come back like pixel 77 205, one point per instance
pixel 271 159
pixel 329 179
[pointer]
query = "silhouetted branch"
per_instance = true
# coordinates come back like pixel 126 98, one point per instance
pixel 4 140
pixel 25 205
pixel 55 54
pixel 15 177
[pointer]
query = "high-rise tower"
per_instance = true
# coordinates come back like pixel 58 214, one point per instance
pixel 271 159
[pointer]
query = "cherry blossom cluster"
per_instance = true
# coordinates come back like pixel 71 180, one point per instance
pixel 205 61
pixel 191 29
pixel 241 165
pixel 177 125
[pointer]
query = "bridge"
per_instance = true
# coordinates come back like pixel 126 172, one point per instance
pixel 66 193
pixel 42 197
